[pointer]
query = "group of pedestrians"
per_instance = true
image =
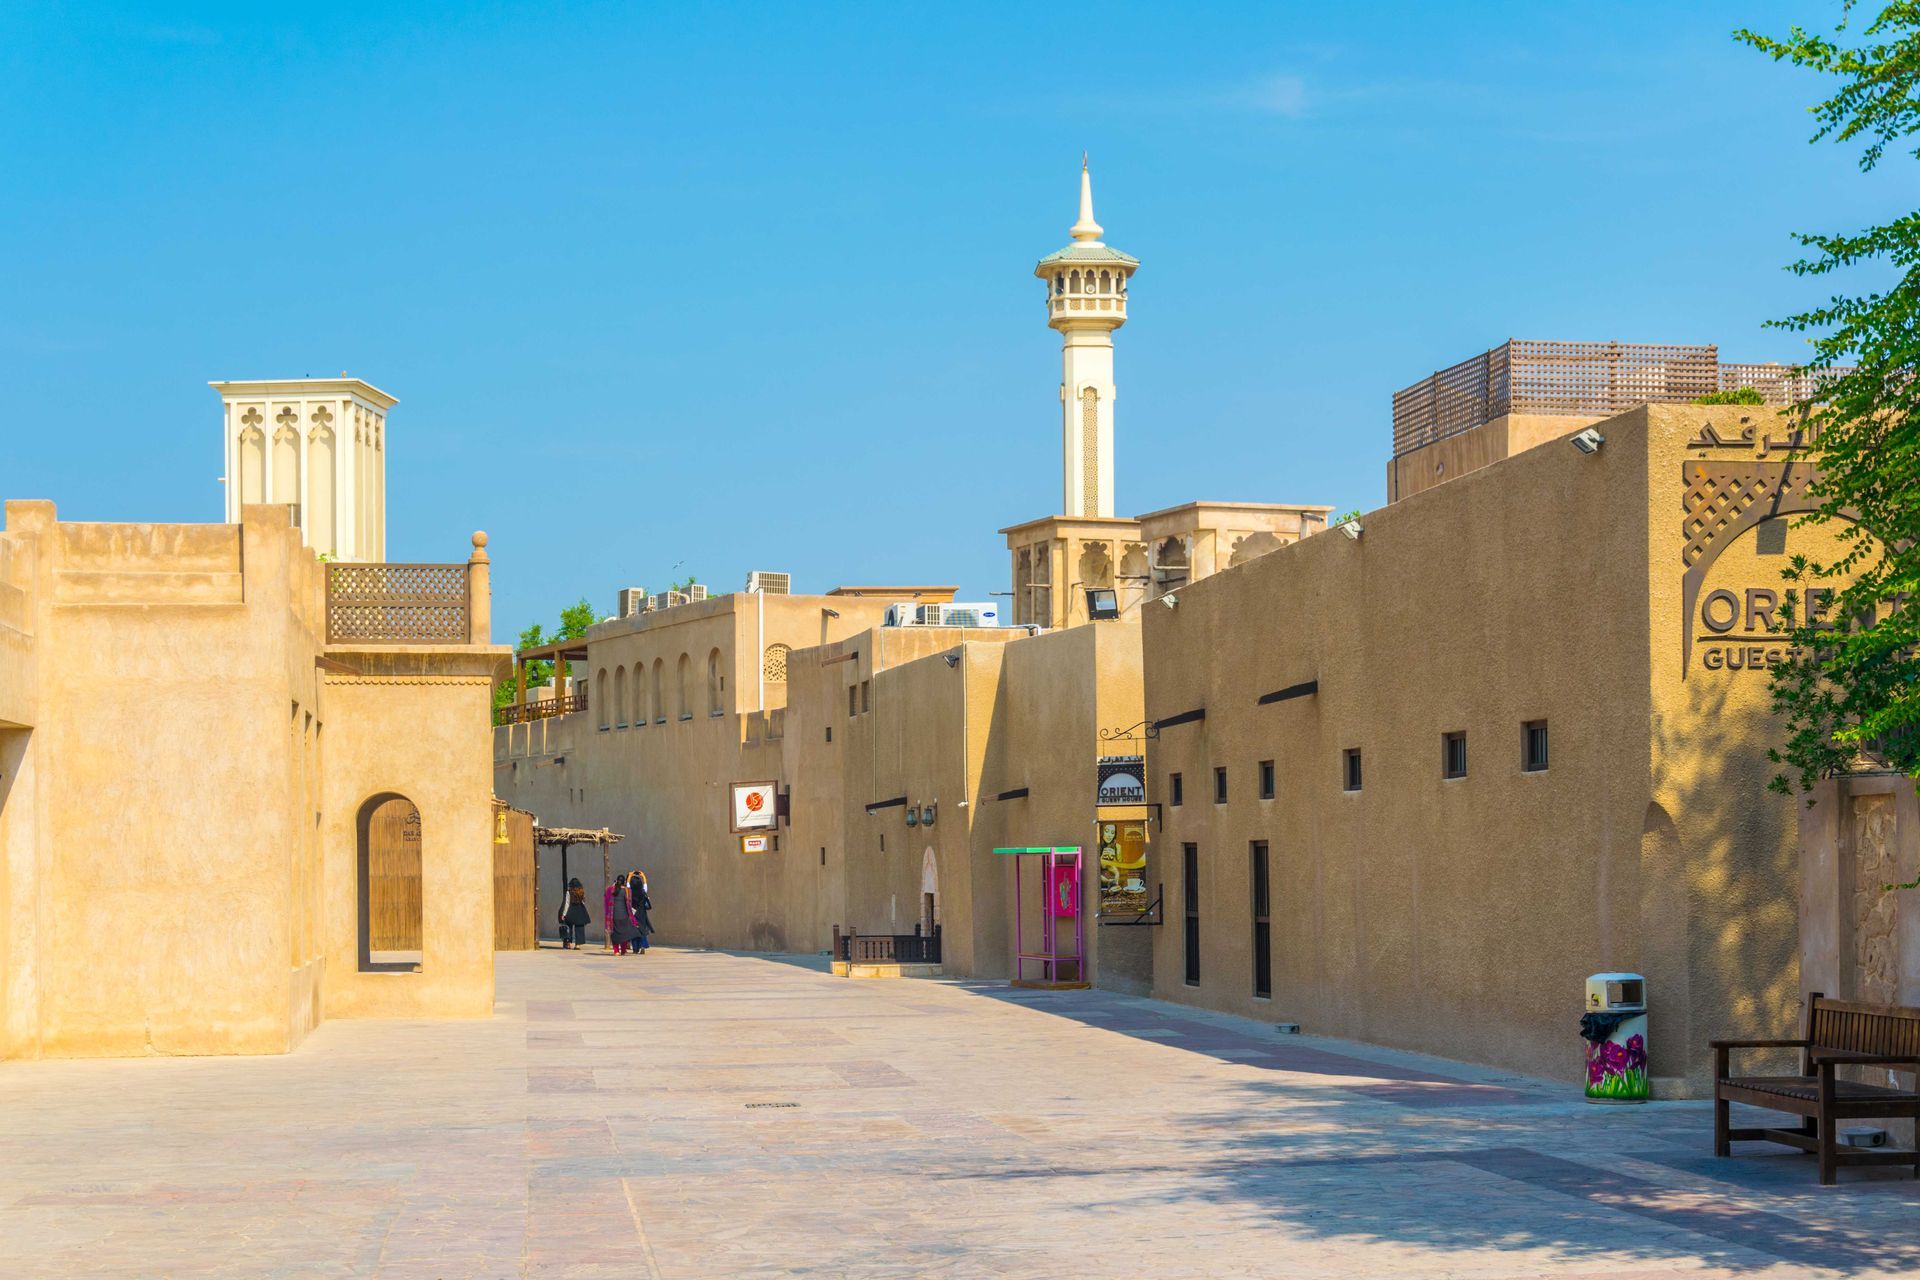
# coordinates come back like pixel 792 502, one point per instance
pixel 624 907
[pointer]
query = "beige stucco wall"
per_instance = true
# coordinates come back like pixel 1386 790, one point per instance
pixel 1421 469
pixel 1460 916
pixel 170 788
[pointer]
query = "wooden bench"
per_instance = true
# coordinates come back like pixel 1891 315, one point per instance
pixel 1836 1033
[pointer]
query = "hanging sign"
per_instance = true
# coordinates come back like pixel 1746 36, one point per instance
pixel 1063 890
pixel 1122 780
pixel 755 844
pixel 1123 867
pixel 755 806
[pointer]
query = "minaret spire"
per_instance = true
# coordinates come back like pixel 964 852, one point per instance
pixel 1085 231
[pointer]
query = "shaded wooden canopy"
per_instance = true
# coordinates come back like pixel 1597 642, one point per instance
pixel 552 836
pixel 570 650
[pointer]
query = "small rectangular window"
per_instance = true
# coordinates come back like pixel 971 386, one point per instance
pixel 1176 793
pixel 1266 779
pixel 829 733
pixel 823 855
pixel 1533 746
pixel 1262 923
pixel 853 699
pixel 1219 784
pixel 1453 754
pixel 1190 897
pixel 1351 760
pixel 866 702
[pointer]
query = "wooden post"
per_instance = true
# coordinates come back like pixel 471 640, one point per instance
pixel 606 872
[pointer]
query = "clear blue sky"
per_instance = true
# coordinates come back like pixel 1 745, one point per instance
pixel 750 287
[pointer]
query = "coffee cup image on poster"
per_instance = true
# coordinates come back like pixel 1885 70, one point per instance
pixel 1123 867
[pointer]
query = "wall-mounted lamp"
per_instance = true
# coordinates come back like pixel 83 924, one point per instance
pixel 1352 528
pixel 926 815
pixel 1170 600
pixel 831 613
pixel 913 816
pixel 871 811
pixel 1102 602
pixel 1588 441
pixel 953 659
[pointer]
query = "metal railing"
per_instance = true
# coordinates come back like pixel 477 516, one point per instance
pixel 1530 376
pixel 854 947
pixel 398 604
pixel 526 712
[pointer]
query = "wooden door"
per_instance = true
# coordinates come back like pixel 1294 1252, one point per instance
pixel 514 908
pixel 393 877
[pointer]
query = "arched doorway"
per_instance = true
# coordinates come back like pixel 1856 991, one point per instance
pixel 929 893
pixel 389 894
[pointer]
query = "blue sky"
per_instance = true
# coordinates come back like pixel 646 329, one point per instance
pixel 749 287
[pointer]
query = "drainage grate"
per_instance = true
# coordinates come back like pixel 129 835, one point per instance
pixel 757 1106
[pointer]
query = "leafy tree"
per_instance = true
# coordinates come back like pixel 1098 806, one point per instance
pixel 574 621
pixel 1852 678
pixel 1736 395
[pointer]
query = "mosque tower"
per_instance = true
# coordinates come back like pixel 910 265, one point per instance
pixel 1086 301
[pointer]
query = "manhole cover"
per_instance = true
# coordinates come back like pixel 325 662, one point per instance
pixel 761 1106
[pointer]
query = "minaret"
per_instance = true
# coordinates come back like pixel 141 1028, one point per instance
pixel 1086 302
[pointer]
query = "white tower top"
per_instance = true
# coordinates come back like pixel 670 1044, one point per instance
pixel 318 445
pixel 1086 302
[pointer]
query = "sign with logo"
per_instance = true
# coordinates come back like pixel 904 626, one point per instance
pixel 1123 867
pixel 1122 780
pixel 755 844
pixel 755 806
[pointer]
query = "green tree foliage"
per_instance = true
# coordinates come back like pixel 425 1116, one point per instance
pixel 1852 679
pixel 574 621
pixel 1736 395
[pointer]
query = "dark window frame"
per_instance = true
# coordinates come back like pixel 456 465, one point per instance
pixel 1219 784
pixel 1352 775
pixel 1260 887
pixel 1176 790
pixel 1266 779
pixel 1453 765
pixel 1190 910
pixel 1530 760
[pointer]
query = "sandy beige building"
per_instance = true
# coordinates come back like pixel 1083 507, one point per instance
pixel 1519 738
pixel 199 728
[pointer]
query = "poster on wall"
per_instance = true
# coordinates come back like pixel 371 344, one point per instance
pixel 1123 867
pixel 754 807
pixel 1122 780
pixel 755 844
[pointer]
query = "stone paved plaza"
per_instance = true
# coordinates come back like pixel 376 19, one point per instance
pixel 694 1114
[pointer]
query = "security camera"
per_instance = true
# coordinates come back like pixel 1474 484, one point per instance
pixel 1170 600
pixel 953 659
pixel 1588 441
pixel 1352 528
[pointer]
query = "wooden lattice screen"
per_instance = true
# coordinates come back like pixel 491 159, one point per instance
pixel 397 604
pixel 1529 376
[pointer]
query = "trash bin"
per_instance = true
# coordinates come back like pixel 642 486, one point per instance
pixel 1615 1029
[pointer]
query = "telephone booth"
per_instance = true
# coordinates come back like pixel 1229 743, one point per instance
pixel 1042 928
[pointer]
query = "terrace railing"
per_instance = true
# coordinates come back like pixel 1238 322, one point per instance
pixel 1587 378
pixel 398 604
pixel 525 712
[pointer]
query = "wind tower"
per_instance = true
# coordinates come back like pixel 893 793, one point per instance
pixel 1086 301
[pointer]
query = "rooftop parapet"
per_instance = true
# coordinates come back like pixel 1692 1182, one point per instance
pixel 1594 379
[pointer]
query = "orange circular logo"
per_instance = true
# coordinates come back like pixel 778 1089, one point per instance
pixel 755 801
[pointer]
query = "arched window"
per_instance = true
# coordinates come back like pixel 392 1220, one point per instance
pixel 659 691
pixel 619 697
pixel 683 677
pixel 1074 282
pixel 1106 282
pixel 1059 282
pixel 774 666
pixel 388 890
pixel 601 684
pixel 716 685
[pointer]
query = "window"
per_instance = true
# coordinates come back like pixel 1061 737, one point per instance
pixel 829 733
pixel 659 690
pixel 1176 794
pixel 866 700
pixel 716 685
pixel 1351 761
pixel 1453 754
pixel 619 697
pixel 1219 784
pixel 774 665
pixel 1266 779
pixel 602 699
pixel 823 855
pixel 1262 923
pixel 683 674
pixel 853 699
pixel 1190 894
pixel 1533 746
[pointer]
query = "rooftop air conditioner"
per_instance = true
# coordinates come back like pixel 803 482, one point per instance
pixel 632 600
pixel 696 592
pixel 676 597
pixel 772 584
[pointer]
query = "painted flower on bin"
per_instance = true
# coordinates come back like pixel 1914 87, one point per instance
pixel 1636 1051
pixel 1595 1071
pixel 1614 1056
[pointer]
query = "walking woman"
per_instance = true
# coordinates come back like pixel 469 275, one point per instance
pixel 642 904
pixel 620 927
pixel 574 916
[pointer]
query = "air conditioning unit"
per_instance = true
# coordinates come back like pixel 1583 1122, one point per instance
pixel 657 601
pixel 943 615
pixel 772 584
pixel 696 592
pixel 676 597
pixel 632 600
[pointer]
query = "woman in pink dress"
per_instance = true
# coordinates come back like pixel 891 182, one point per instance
pixel 616 911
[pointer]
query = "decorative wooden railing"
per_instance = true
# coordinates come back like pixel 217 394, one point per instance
pixel 886 948
pixel 398 604
pixel 525 712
